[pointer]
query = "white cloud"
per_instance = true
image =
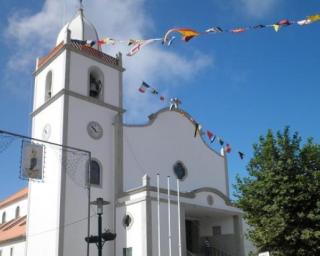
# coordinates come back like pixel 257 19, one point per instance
pixel 258 8
pixel 35 34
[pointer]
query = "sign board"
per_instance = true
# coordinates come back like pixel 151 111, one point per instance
pixel 32 160
pixel 264 254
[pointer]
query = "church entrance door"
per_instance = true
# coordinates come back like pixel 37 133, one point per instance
pixel 192 235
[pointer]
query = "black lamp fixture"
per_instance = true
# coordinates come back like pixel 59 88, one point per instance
pixel 101 238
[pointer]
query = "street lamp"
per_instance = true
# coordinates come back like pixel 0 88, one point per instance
pixel 106 236
pixel 99 203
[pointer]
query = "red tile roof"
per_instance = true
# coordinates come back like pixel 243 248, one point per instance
pixel 52 53
pixel 14 198
pixel 95 53
pixel 105 58
pixel 13 229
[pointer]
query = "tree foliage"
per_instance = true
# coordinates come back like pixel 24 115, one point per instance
pixel 281 195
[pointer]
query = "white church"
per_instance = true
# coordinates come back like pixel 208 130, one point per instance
pixel 78 102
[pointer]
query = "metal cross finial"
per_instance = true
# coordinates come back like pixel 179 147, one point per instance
pixel 81 5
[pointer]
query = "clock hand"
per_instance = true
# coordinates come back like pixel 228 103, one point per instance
pixel 93 128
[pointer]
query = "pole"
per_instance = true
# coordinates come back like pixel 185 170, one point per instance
pixel 100 235
pixel 179 217
pixel 158 197
pixel 169 217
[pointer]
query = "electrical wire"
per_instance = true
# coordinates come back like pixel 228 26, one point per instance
pixel 64 226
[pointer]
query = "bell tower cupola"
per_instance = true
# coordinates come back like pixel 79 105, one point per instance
pixel 81 29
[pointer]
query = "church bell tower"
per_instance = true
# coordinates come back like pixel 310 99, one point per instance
pixel 77 103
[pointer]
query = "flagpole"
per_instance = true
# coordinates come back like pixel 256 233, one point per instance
pixel 179 216
pixel 169 217
pixel 158 196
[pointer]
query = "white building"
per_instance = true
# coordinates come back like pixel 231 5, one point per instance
pixel 78 102
pixel 13 214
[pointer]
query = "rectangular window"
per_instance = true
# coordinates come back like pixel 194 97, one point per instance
pixel 216 230
pixel 127 251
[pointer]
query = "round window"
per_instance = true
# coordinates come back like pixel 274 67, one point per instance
pixel 179 170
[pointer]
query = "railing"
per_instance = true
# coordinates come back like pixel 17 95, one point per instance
pixel 218 252
pixel 213 252
pixel 190 254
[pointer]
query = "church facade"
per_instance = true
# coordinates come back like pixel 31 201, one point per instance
pixel 78 102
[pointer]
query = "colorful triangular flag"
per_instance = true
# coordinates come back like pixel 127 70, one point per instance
pixel 314 18
pixel 258 26
pixel 144 86
pixel 238 30
pixel 241 155
pixel 276 27
pixel 221 142
pixel 227 148
pixel 284 22
pixel 197 129
pixel 154 91
pixel 211 136
pixel 214 30
pixel 304 22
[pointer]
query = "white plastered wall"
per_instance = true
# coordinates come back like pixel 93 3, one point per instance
pixel 79 115
pixel 225 222
pixel 18 248
pixel 10 209
pixel 157 147
pixel 79 74
pixel 44 197
pixel 57 67
pixel 135 236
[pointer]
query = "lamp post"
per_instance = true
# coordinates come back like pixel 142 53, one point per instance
pixel 100 203
pixel 106 236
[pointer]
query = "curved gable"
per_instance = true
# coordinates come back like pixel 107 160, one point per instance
pixel 158 145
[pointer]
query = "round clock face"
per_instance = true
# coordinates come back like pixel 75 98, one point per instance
pixel 95 130
pixel 46 132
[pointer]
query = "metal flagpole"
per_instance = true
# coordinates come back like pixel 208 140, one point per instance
pixel 169 217
pixel 158 196
pixel 179 216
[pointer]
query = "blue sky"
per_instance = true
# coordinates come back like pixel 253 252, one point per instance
pixel 237 86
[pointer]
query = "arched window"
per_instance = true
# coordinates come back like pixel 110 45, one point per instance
pixel 96 83
pixel 95 173
pixel 48 91
pixel 17 212
pixel 3 217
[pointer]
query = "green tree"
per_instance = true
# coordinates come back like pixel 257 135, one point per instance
pixel 281 195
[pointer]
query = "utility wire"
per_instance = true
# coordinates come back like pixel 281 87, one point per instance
pixel 141 167
pixel 57 228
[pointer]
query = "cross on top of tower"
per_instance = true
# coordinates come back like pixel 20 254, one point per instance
pixel 81 4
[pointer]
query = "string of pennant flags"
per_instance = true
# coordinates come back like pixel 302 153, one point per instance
pixel 187 34
pixel 146 87
pixel 198 130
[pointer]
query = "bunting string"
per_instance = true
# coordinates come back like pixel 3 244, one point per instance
pixel 187 34
pixel 144 87
pixel 198 130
